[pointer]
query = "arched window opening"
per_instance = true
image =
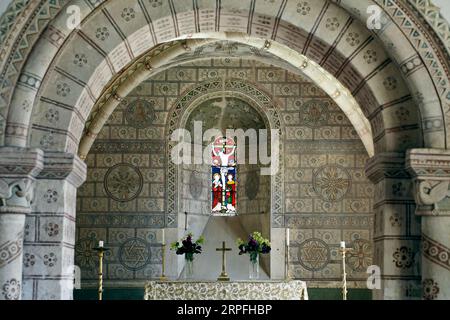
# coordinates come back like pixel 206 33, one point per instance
pixel 224 174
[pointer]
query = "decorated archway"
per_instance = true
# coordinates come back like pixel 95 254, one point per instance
pixel 395 78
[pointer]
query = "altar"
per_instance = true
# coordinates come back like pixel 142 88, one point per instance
pixel 224 290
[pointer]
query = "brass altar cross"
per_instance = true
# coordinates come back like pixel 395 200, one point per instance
pixel 223 276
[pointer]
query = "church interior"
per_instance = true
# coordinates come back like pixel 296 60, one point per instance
pixel 120 177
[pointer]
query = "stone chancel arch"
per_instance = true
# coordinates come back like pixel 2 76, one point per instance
pixel 60 84
pixel 361 54
pixel 144 68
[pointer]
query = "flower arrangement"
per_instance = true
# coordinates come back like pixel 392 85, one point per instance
pixel 255 245
pixel 188 247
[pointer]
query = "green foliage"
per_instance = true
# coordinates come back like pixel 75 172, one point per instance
pixel 255 245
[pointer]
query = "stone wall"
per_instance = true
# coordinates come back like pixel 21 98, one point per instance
pixel 122 200
pixel 327 197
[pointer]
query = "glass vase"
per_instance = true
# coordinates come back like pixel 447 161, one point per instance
pixel 254 266
pixel 189 267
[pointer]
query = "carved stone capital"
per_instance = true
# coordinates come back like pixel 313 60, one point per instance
pixel 430 171
pixel 388 165
pixel 16 195
pixel 18 162
pixel 18 169
pixel 429 164
pixel 64 166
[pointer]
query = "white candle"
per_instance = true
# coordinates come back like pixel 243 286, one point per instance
pixel 100 244
pixel 163 240
pixel 342 244
pixel 287 237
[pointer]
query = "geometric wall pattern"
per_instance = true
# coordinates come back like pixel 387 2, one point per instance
pixel 327 196
pixel 40 79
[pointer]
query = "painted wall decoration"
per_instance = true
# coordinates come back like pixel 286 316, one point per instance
pixel 314 113
pixel 360 257
pixel 140 114
pixel 314 254
pixel 331 183
pixel 123 182
pixel 430 289
pixel 347 216
pixel 134 254
pixel 252 185
pixel 327 197
pixel 195 184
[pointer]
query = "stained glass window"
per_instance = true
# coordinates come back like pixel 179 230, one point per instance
pixel 223 174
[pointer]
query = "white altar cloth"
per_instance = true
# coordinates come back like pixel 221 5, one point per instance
pixel 233 290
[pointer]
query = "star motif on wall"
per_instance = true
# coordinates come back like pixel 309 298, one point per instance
pixel 314 254
pixel 134 254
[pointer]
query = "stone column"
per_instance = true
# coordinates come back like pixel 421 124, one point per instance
pixel 396 228
pixel 48 264
pixel 430 169
pixel 18 167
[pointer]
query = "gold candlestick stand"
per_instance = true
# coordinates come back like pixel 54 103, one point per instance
pixel 100 251
pixel 163 276
pixel 344 251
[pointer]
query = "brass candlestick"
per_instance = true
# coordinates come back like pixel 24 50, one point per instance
pixel 163 276
pixel 344 251
pixel 100 251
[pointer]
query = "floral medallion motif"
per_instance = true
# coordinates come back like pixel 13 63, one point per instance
pixel 29 260
pixel 52 229
pixel 140 114
pixel 390 83
pixel 123 182
pixel 314 113
pixel 52 116
pixel 128 14
pixel 62 89
pixel 50 259
pixel 430 289
pixel 303 8
pixel 353 39
pixel 360 258
pixel 252 185
pixel 396 220
pixel 85 257
pixel 314 254
pixel 155 3
pixel 332 24
pixel 102 33
pixel 331 182
pixel 11 289
pixel 80 59
pixel 134 254
pixel 402 114
pixel 370 56
pixel 403 258
pixel 51 196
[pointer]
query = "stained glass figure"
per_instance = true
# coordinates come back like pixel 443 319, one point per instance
pixel 223 173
